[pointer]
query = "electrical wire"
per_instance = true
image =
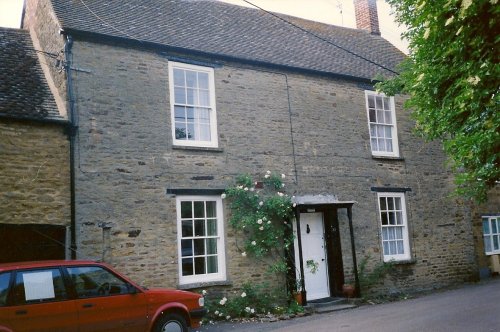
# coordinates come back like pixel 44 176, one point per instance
pixel 107 24
pixel 321 38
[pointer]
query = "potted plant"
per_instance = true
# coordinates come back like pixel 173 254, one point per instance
pixel 348 289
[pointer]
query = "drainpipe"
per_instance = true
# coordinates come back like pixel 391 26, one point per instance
pixel 72 133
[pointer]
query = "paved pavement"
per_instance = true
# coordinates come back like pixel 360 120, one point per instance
pixel 473 307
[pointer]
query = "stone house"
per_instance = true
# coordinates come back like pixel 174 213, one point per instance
pixel 34 148
pixel 173 99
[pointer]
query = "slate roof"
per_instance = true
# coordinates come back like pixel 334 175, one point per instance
pixel 24 92
pixel 220 29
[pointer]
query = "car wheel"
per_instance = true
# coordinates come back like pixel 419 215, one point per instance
pixel 171 323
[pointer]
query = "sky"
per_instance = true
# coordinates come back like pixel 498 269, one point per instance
pixel 336 12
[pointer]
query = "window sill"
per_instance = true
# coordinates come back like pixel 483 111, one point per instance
pixel 204 284
pixel 404 261
pixel 196 148
pixel 387 158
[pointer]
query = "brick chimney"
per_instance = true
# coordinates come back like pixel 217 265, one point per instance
pixel 367 16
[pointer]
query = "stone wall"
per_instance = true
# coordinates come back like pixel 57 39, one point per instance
pixel 126 162
pixel 34 174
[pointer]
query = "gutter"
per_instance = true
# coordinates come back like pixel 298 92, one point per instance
pixel 167 48
pixel 73 129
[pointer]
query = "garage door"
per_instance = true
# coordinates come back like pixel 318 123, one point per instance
pixel 31 242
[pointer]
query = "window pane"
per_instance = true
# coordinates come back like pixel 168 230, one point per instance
pixel 374 144
pixel 4 285
pixel 191 79
pixel 392 218
pixel 388 132
pixel 204 132
pixel 399 218
pixel 371 101
pixel 191 96
pixel 495 242
pixel 180 95
pixel 199 227
pixel 388 146
pixel 199 209
pixel 387 105
pixel 187 248
pixel 385 233
pixel 400 248
pixel 390 203
pixel 211 209
pixel 385 219
pixel 204 98
pixel 388 117
pixel 187 266
pixel 180 131
pixel 199 265
pixel 212 264
pixel 212 227
pixel 386 248
pixel 383 205
pixel 486 226
pixel 211 246
pixel 380 116
pixel 203 80
pixel 487 244
pixel 199 247
pixel 186 211
pixel 494 229
pixel 190 132
pixel 180 113
pixel 399 233
pixel 392 248
pixel 373 117
pixel 397 200
pixel 378 101
pixel 179 77
pixel 187 228
pixel 391 233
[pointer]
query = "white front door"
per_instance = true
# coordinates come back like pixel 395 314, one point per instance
pixel 313 251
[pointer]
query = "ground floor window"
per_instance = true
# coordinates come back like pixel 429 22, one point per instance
pixel 491 232
pixel 394 226
pixel 200 230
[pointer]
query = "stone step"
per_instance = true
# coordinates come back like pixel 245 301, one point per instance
pixel 329 304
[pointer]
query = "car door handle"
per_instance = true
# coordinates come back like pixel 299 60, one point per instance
pixel 21 312
pixel 88 305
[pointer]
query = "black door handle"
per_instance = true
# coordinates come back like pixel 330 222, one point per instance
pixel 21 312
pixel 88 305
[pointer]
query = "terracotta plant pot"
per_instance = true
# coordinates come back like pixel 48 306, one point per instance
pixel 298 297
pixel 348 290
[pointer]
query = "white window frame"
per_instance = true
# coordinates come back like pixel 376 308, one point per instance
pixel 221 251
pixel 406 242
pixel 213 142
pixel 491 236
pixel 393 126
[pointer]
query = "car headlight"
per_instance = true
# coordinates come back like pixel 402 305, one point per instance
pixel 201 301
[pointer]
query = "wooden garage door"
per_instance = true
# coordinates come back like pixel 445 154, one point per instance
pixel 31 242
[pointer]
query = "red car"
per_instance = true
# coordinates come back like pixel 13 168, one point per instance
pixel 89 296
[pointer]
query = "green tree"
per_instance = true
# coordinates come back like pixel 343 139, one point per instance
pixel 452 76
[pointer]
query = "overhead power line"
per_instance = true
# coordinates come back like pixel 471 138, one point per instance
pixel 322 39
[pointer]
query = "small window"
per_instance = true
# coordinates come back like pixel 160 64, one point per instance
pixel 394 227
pixel 92 281
pixel 192 105
pixel 200 239
pixel 382 124
pixel 491 235
pixel 39 286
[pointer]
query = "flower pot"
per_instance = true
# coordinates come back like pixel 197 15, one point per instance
pixel 298 297
pixel 348 290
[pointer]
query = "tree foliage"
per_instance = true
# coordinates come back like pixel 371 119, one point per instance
pixel 452 76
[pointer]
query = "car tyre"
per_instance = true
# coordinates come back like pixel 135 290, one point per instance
pixel 171 323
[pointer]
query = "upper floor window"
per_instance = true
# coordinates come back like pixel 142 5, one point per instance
pixel 200 233
pixel 382 122
pixel 192 104
pixel 394 226
pixel 491 233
